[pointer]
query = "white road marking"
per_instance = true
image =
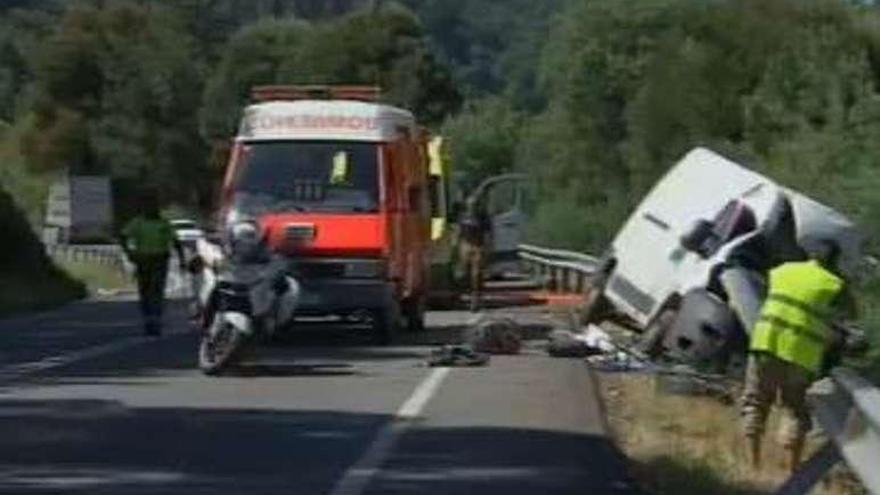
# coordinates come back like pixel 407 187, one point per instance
pixel 422 394
pixel 358 476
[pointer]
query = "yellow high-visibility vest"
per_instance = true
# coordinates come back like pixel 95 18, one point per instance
pixel 794 319
pixel 149 237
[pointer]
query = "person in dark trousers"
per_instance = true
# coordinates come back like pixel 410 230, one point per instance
pixel 147 241
pixel 475 229
pixel 796 329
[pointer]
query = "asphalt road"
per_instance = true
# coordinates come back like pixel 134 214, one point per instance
pixel 87 405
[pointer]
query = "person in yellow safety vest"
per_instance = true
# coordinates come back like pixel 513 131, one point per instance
pixel 147 241
pixel 788 345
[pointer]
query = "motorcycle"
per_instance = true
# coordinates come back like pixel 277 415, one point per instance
pixel 243 296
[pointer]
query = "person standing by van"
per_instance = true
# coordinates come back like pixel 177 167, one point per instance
pixel 788 346
pixel 474 232
pixel 147 241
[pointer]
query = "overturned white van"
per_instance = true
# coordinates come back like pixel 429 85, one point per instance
pixel 689 265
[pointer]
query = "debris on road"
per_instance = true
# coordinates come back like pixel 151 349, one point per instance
pixel 494 335
pixel 618 362
pixel 565 343
pixel 592 341
pixel 457 355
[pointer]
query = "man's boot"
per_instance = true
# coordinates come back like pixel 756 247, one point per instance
pixel 794 452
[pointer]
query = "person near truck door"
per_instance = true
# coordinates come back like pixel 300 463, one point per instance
pixel 788 345
pixel 475 228
pixel 147 241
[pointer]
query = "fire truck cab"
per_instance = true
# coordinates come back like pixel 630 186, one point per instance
pixel 340 184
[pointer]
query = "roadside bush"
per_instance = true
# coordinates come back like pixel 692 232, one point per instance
pixel 28 278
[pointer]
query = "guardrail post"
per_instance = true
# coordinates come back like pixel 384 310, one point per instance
pixel 541 274
pixel 810 472
pixel 579 283
pixel 573 278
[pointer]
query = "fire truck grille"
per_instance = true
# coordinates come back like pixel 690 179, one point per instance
pixel 299 234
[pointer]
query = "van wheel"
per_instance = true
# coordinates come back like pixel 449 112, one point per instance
pixel 652 340
pixel 414 311
pixel 386 323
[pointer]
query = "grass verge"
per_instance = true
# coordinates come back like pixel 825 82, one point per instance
pixel 687 444
pixel 97 277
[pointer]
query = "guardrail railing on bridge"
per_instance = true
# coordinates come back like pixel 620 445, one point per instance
pixel 559 269
pixel 846 405
pixel 106 254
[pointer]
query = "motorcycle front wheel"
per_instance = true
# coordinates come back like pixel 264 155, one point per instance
pixel 220 346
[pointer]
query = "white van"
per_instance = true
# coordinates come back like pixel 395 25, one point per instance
pixel 689 264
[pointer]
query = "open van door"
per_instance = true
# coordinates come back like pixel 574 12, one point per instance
pixel 504 197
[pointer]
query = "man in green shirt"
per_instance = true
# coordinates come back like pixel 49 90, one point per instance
pixel 147 241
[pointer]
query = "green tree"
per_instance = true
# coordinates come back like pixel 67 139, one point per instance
pixel 482 140
pixel 118 91
pixel 384 48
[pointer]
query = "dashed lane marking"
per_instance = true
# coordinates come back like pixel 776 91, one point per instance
pixel 358 476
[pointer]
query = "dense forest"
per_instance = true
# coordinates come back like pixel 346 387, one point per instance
pixel 594 99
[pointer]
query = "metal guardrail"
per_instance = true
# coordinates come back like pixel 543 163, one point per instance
pixel 105 254
pixel 847 408
pixel 178 285
pixel 558 269
pixel 846 405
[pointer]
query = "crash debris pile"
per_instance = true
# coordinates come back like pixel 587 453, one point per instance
pixel 596 345
pixel 494 335
pixel 589 342
pixel 457 355
pixel 484 336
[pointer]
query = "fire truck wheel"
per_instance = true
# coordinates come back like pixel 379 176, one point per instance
pixel 414 312
pixel 386 323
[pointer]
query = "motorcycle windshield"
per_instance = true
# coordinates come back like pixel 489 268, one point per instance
pixel 307 176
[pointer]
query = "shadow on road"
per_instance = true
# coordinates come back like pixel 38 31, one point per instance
pixel 254 370
pixel 104 447
pixel 434 461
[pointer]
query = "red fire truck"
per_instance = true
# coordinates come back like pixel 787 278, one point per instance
pixel 340 183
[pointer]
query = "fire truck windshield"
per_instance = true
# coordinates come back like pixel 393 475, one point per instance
pixel 307 176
